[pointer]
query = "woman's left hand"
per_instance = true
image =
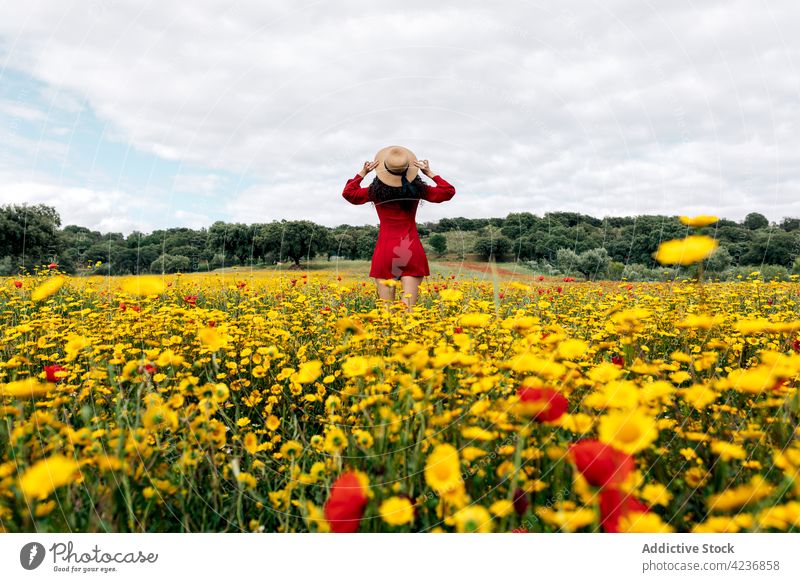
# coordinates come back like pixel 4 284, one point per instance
pixel 424 167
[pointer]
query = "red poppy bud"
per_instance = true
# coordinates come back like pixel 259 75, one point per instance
pixel 17 284
pixel 521 502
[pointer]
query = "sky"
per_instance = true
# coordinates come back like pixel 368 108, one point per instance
pixel 136 115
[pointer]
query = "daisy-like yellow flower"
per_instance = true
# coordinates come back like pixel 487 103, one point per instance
pixel 159 417
pixel 143 285
pixel 27 388
pixel 48 288
pixel 443 469
pixel 212 338
pixel 250 443
pixel 567 519
pixel 309 371
pixel 686 251
pixel 473 519
pixel 647 522
pixel 397 511
pixel 629 431
pixel 475 319
pixel 47 475
pixel 335 440
pixel 451 295
pixel 698 221
pixel 273 422
pixel 728 451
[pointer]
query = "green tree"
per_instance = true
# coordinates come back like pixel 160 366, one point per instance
pixel 438 243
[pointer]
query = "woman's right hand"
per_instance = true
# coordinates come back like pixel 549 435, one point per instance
pixel 368 167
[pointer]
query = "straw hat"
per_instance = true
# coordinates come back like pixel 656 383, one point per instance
pixel 393 161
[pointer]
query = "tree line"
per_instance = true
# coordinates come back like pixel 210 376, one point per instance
pixel 32 236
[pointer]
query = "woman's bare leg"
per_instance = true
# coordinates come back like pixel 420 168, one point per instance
pixel 410 290
pixel 385 292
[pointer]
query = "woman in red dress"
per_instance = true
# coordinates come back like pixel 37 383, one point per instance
pixel 396 192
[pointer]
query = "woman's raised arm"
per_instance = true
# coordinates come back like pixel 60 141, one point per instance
pixel 354 193
pixel 442 192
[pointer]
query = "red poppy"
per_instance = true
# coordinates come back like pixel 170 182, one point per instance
pixel 136 308
pixel 52 266
pixel 614 505
pixel 599 463
pixel 541 277
pixel 191 299
pixel 345 506
pixel 519 530
pixel 122 307
pixel 502 295
pixel 50 372
pixel 211 323
pixel 542 404
pixel 17 284
pixel 148 368
pixel 796 345
pixel 618 360
pixel 241 284
pixel 458 330
pixel 559 289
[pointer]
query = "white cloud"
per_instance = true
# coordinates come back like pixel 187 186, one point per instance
pixel 604 108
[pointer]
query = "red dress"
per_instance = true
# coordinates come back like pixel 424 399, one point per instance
pixel 398 251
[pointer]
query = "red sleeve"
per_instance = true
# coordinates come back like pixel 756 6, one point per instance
pixel 354 193
pixel 442 192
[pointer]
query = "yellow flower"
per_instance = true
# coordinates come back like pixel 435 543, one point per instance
pixel 250 443
pixel 616 394
pixel 273 422
pixel 566 519
pixel 47 475
pixel 397 511
pixel 656 494
pixel 309 371
pixel 451 295
pixel 502 508
pixel 699 395
pixel 698 221
pixel 335 440
pixel 572 348
pixel 638 522
pixel 143 285
pixel 687 251
pixel 443 470
pixel 355 366
pixel 158 417
pixel 48 288
pixel 728 451
pixel 212 338
pixel 751 380
pixel 26 388
pixel 757 489
pixel 291 449
pixel 629 431
pixel 169 358
pixel 475 319
pixel 473 519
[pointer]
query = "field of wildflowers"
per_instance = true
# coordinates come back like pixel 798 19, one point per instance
pixel 258 401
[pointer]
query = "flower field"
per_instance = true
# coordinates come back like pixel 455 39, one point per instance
pixel 278 401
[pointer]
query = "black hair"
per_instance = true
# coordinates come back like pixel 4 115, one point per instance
pixel 380 192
